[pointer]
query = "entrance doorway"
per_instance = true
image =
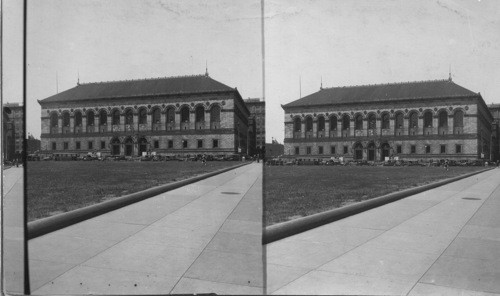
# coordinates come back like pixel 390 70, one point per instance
pixel 143 146
pixel 115 146
pixel 358 151
pixel 385 151
pixel 371 151
pixel 129 147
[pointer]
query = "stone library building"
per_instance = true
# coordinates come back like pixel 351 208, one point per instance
pixel 184 115
pixel 411 120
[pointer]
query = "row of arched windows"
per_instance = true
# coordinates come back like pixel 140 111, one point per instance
pixel 372 121
pixel 101 117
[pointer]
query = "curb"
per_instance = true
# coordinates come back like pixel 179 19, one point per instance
pixel 46 225
pixel 289 228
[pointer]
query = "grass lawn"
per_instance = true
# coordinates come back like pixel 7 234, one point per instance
pixel 59 186
pixel 296 191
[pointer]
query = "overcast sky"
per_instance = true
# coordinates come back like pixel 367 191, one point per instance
pixel 344 42
pixel 135 39
pixel 368 42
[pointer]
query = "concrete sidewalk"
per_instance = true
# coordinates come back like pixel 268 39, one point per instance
pixel 204 237
pixel 444 241
pixel 13 230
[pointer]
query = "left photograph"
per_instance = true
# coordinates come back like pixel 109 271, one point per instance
pixel 148 178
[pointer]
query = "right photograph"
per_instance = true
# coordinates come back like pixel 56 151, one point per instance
pixel 382 168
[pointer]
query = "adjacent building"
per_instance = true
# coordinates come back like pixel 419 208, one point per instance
pixel 436 119
pixel 495 135
pixel 13 130
pixel 257 109
pixel 185 115
pixel 274 149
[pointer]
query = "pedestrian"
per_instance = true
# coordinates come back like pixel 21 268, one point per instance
pixel 204 160
pixel 446 165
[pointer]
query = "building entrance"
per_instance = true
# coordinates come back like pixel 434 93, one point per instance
pixel 358 151
pixel 385 151
pixel 115 147
pixel 371 152
pixel 143 146
pixel 129 147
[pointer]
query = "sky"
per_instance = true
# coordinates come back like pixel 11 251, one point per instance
pixel 340 42
pixel 367 42
pixel 113 40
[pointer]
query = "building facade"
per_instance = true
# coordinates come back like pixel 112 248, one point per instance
pixel 274 149
pixel 413 120
pixel 495 135
pixel 185 115
pixel 13 130
pixel 258 113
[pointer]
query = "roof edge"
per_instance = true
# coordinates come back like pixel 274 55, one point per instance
pixel 143 79
pixel 384 100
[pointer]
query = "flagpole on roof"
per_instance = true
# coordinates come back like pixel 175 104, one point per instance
pixel 300 87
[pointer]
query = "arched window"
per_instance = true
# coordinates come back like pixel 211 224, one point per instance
pixel 103 117
pixel 321 123
pixel 309 124
pixel 345 122
pixel 399 120
pixel 54 120
pixel 156 115
pixel 115 117
pixel 413 120
pixel 428 119
pixel 200 114
pixel 90 118
pixel 185 114
pixel 443 119
pixel 358 122
pixel 215 114
pixel 129 116
pixel 170 115
pixel 372 121
pixel 65 119
pixel 458 118
pixel 215 117
pixel 385 121
pixel 143 116
pixel 333 123
pixel 78 118
pixel 297 124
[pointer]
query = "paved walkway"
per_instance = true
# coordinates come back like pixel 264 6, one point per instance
pixel 445 241
pixel 204 237
pixel 13 230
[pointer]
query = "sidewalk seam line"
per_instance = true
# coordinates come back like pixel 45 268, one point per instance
pixel 454 239
pixel 203 250
pixel 82 263
pixel 384 231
